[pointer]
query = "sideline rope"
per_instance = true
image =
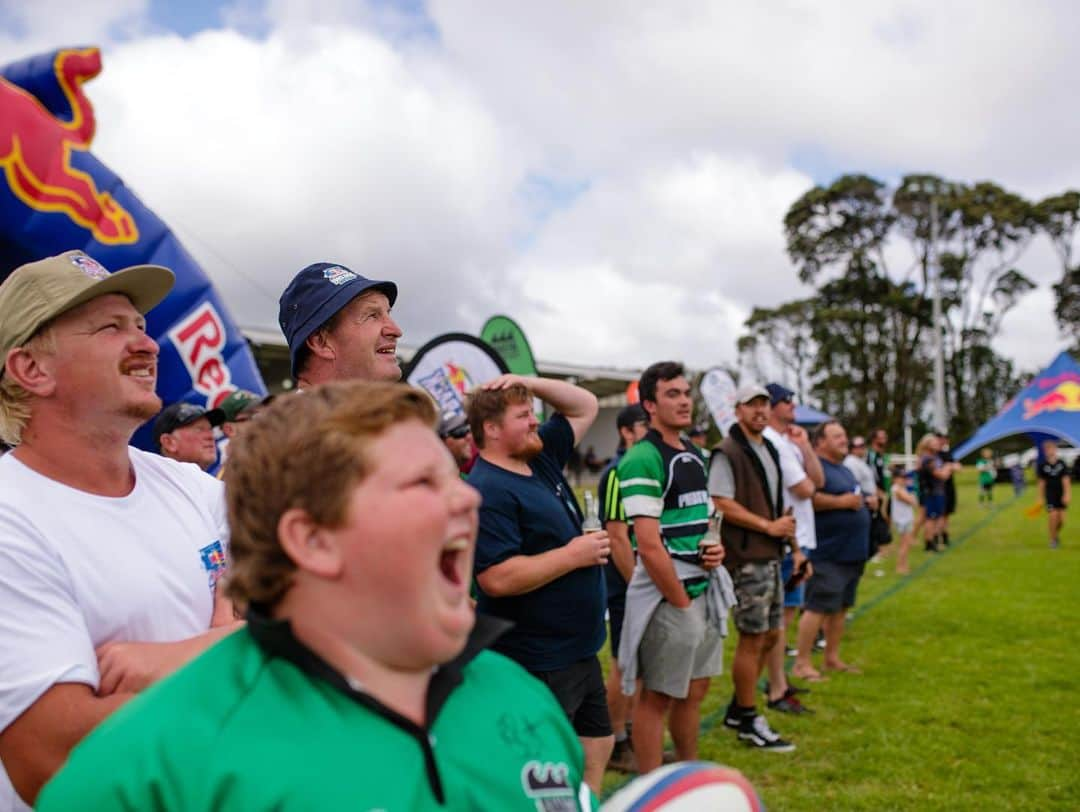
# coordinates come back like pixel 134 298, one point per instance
pixel 710 721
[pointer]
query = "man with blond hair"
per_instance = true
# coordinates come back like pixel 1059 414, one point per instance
pixel 109 556
pixel 535 565
pixel 363 679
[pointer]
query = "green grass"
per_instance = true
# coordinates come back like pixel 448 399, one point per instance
pixel 966 701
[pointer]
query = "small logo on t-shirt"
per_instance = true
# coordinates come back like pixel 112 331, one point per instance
pixel 548 785
pixel 213 561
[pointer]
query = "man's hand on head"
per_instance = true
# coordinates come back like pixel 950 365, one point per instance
pixel 505 381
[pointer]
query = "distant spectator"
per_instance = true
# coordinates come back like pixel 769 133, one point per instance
pixel 1055 490
pixel 240 407
pixel 987 476
pixel 1016 475
pixel 456 435
pixel 632 423
pixel 945 455
pixel 698 436
pixel 933 473
pixel 902 505
pixel 592 462
pixel 842 521
pixel 856 462
pixel 185 432
pixel 746 487
pixel 801 473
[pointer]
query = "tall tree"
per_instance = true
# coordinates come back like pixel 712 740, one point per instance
pixel 1059 217
pixel 846 238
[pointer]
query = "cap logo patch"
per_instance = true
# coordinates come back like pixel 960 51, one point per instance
pixel 338 275
pixel 89 266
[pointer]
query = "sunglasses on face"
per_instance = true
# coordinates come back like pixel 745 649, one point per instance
pixel 459 432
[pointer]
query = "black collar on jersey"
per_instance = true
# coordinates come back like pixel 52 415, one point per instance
pixel 276 639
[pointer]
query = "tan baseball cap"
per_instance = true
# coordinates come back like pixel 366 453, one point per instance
pixel 36 293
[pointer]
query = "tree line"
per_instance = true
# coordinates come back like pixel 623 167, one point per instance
pixel 862 344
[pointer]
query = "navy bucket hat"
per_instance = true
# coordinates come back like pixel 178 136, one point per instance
pixel 315 296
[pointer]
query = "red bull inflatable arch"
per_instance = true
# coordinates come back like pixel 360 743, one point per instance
pixel 1049 406
pixel 55 196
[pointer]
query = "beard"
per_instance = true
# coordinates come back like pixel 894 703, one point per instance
pixel 530 447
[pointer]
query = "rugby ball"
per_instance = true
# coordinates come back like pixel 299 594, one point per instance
pixel 688 786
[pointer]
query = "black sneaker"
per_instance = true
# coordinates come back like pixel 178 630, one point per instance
pixel 792 690
pixel 756 732
pixel 789 703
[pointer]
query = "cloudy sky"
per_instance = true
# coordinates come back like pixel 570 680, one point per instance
pixel 611 173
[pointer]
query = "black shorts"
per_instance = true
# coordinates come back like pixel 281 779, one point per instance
pixel 579 688
pixel 832 587
pixel 616 607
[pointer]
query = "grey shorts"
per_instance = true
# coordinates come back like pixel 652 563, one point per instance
pixel 679 645
pixel 832 587
pixel 760 596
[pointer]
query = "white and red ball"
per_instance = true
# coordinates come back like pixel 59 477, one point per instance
pixel 688 786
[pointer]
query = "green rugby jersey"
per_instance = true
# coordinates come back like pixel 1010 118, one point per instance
pixel 668 484
pixel 261 722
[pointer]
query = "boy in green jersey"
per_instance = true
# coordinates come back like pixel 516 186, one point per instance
pixel 361 680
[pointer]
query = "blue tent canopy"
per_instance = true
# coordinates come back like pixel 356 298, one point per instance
pixel 1049 406
pixel 808 415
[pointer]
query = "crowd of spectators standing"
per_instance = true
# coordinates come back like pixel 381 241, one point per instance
pixel 365 569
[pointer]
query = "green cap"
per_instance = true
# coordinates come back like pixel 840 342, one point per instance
pixel 240 400
pixel 37 293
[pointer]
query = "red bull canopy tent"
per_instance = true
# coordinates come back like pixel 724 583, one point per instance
pixel 1049 406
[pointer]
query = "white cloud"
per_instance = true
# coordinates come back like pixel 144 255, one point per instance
pixel 313 144
pixel 612 174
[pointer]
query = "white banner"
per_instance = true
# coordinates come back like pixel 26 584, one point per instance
pixel 718 389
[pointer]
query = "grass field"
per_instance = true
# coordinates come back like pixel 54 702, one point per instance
pixel 966 700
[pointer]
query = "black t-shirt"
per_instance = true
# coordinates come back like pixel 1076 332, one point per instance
pixel 1053 474
pixel 562 622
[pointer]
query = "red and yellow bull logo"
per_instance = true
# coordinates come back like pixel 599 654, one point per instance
pixel 1062 395
pixel 458 377
pixel 36 148
pixel 199 339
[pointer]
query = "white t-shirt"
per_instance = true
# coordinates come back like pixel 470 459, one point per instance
pixel 79 570
pixel 901 512
pixel 792 472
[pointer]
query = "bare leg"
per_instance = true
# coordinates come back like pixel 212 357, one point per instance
pixel 774 660
pixel 746 666
pixel 648 733
pixel 834 633
pixel 597 753
pixel 1054 518
pixel 809 625
pixel 617 702
pixel 685 720
pixel 902 566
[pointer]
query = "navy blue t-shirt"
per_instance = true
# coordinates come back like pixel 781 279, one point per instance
pixel 562 622
pixel 842 535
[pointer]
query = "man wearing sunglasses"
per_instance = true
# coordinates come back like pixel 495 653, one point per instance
pixel 456 436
